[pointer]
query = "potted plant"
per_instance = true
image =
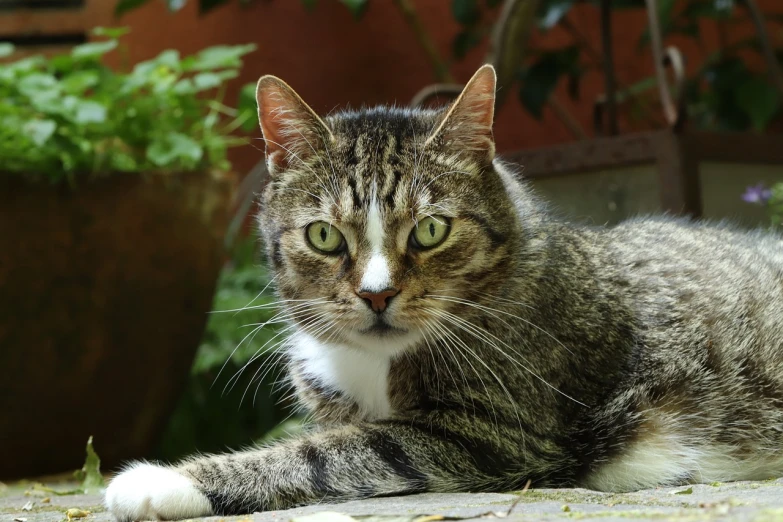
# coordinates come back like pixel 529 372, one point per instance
pixel 115 191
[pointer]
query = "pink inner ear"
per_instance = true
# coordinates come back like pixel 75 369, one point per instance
pixel 480 96
pixel 468 124
pixel 272 114
pixel 291 129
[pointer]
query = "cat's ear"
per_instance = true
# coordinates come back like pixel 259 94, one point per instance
pixel 292 130
pixel 466 126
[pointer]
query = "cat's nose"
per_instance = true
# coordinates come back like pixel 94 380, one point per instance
pixel 378 301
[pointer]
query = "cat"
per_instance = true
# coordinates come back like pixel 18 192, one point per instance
pixel 449 334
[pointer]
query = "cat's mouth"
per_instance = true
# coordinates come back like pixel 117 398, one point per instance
pixel 381 328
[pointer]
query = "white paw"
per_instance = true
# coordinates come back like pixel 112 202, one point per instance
pixel 149 492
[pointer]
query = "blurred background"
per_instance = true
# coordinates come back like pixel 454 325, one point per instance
pixel 134 302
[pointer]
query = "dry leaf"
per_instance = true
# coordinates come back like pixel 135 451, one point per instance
pixel 28 506
pixel 76 513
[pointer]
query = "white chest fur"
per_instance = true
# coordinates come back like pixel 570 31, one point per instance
pixel 360 376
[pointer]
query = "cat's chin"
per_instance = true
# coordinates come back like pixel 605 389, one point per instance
pixel 384 339
pixel 383 330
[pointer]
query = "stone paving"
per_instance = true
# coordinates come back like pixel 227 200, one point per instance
pixel 740 501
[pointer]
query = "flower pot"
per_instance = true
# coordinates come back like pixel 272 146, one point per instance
pixel 104 294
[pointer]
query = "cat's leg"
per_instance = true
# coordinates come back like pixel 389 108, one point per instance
pixel 340 464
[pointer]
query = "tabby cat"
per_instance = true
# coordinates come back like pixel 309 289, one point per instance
pixel 449 334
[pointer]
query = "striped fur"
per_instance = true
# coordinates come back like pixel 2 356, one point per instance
pixel 520 348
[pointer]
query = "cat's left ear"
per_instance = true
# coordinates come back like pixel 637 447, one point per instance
pixel 467 125
pixel 292 130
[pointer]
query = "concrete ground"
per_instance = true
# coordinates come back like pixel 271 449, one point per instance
pixel 740 501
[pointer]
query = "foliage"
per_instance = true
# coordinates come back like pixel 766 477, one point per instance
pixel 235 366
pixel 725 93
pixel 356 7
pixel 70 115
pixel 90 474
pixel 771 198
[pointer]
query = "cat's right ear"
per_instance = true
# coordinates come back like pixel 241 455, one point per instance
pixel 292 130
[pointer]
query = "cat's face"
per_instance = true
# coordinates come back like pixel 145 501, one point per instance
pixel 381 223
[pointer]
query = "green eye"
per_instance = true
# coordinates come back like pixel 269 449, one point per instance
pixel 324 237
pixel 430 232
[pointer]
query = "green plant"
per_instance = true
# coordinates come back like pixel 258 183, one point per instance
pixel 724 93
pixel 229 398
pixel 70 115
pixel 771 198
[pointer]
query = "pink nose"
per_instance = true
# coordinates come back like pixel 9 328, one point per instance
pixel 378 300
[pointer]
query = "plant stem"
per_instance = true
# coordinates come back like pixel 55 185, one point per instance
pixel 609 80
pixel 566 118
pixel 441 70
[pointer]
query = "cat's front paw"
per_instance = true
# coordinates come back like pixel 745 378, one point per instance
pixel 149 492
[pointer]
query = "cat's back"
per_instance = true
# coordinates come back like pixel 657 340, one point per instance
pixel 710 293
pixel 657 250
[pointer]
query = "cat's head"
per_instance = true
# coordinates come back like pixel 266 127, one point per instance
pixel 381 223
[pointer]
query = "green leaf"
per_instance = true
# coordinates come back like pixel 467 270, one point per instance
pixel 184 86
pixel 90 112
pixel 551 12
pixel 39 130
pixel 93 49
pixel 464 42
pixel 174 146
pixel 466 12
pixel 176 5
pixel 247 107
pixel 36 83
pixel 6 49
pixel 62 63
pixel 123 6
pixel 688 491
pixel 356 7
pixel 123 162
pixel 92 480
pixel 539 80
pixel 208 80
pixel 206 5
pixel 79 81
pixel 218 57
pixel 759 100
pixel 111 32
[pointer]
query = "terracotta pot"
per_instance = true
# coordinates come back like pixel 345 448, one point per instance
pixel 104 294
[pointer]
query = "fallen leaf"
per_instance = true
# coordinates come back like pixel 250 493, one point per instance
pixel 20 519
pixel 566 508
pixel 28 506
pixel 76 513
pixel 688 491
pixel 429 518
pixel 45 500
pixel 47 489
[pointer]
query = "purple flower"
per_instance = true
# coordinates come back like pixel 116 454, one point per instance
pixel 757 194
